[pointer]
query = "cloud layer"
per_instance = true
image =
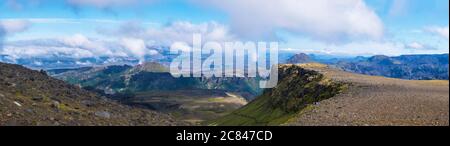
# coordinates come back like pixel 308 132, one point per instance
pixel 342 26
pixel 9 27
pixel 78 47
pixel 440 31
pixel 172 32
pixel 137 48
pixel 321 19
pixel 415 45
pixel 131 39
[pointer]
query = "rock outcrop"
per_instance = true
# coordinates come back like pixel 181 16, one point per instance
pixel 297 89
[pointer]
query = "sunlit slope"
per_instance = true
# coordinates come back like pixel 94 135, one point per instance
pixel 315 94
pixel 30 98
pixel 373 100
pixel 296 89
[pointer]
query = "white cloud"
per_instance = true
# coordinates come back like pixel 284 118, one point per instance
pixel 183 31
pixel 9 27
pixel 328 20
pixel 94 46
pixel 77 47
pixel 45 51
pixel 76 40
pixel 368 48
pixel 137 48
pixel 174 32
pixel 415 45
pixel 440 31
pixel 14 26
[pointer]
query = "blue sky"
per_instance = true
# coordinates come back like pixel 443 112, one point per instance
pixel 347 27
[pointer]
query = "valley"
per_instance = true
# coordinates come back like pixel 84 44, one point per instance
pixel 193 106
pixel 151 86
pixel 307 94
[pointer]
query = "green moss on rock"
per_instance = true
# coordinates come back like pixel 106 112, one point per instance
pixel 297 88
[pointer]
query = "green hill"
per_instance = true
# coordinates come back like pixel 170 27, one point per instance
pixel 297 88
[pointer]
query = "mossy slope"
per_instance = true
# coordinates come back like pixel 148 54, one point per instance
pixel 297 88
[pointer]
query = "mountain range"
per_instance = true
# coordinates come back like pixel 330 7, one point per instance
pixel 413 67
pixel 308 93
pixel 151 86
pixel 150 76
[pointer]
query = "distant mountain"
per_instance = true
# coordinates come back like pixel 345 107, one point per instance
pixel 151 76
pixel 151 86
pixel 417 67
pixel 59 60
pixel 30 97
pixel 149 67
pixel 289 58
pixel 299 58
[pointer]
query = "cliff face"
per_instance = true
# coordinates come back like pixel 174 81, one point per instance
pixel 296 90
pixel 300 87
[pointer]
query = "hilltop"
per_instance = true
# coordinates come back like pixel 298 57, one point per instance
pixel 297 88
pixel 375 100
pixel 315 94
pixel 30 97
pixel 299 58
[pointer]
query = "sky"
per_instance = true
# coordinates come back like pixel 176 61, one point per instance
pixel 92 28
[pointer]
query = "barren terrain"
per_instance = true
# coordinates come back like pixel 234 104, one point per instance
pixel 372 100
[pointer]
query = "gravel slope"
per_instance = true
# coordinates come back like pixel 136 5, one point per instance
pixel 372 100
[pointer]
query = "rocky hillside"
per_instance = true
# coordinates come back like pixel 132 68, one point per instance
pixel 30 97
pixel 374 100
pixel 315 94
pixel 296 90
